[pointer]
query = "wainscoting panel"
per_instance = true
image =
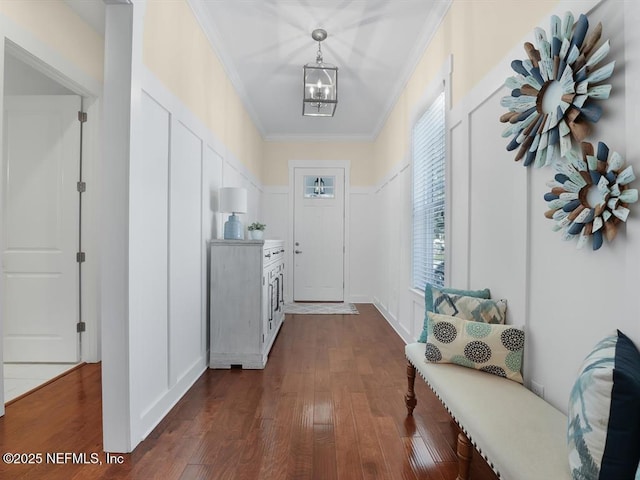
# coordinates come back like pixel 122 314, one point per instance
pixel 148 257
pixel 185 255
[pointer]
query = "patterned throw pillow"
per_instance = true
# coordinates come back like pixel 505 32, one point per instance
pixel 429 299
pixel 470 308
pixel 604 414
pixel 495 349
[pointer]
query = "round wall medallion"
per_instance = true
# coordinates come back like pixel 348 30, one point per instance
pixel 552 101
pixel 590 196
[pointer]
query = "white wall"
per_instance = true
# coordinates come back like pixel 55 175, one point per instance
pixel 172 206
pixel 161 188
pixel 567 299
pixel 362 232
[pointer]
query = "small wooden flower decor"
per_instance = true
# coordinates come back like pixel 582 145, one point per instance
pixel 590 196
pixel 553 96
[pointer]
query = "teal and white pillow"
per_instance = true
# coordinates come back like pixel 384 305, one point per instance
pixel 604 413
pixel 432 293
pixel 470 308
pixel 491 348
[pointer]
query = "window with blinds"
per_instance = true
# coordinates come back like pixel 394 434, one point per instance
pixel 428 158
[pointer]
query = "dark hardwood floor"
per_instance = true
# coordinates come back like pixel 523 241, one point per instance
pixel 328 406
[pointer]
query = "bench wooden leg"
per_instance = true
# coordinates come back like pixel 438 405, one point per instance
pixel 465 453
pixel 410 398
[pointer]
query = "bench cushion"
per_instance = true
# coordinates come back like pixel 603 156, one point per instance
pixel 521 436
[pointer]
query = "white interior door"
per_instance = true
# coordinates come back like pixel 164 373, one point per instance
pixel 40 228
pixel 319 234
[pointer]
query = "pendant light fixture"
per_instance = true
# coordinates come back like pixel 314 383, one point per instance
pixel 320 83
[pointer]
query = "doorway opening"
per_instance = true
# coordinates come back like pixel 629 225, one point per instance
pixel 41 211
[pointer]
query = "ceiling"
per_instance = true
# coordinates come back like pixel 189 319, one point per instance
pixel 263 45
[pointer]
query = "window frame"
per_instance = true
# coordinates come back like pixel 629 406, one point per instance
pixel 441 85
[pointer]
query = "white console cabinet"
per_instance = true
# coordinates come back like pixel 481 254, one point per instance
pixel 246 297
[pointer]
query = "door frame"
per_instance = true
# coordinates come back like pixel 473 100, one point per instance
pixel 346 166
pixel 27 48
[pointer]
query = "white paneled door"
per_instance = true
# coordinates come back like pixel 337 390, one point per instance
pixel 40 228
pixel 319 234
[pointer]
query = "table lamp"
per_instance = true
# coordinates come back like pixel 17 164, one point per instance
pixel 233 200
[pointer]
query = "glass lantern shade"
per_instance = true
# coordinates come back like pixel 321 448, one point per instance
pixel 320 95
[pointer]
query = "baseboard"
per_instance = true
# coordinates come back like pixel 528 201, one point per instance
pixel 399 329
pixel 360 299
pixel 153 415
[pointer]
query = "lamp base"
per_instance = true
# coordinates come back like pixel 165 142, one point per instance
pixel 233 229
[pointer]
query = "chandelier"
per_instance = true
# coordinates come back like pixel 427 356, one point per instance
pixel 320 83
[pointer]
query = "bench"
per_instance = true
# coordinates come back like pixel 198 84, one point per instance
pixel 520 435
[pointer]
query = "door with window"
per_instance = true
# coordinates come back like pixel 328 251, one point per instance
pixel 319 218
pixel 40 228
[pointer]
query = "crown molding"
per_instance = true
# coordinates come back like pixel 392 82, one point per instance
pixel 200 13
pixel 440 9
pixel 303 138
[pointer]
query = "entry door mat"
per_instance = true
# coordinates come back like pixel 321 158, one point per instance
pixel 301 308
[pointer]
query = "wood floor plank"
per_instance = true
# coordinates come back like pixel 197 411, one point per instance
pixel 373 465
pixel 421 461
pixel 394 452
pixel 329 405
pixel 323 408
pixel 348 461
pixel 324 453
pixel 300 461
pixel 275 458
pixel 254 450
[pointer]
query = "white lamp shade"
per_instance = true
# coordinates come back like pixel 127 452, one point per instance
pixel 232 200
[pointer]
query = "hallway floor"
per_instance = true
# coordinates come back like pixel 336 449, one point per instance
pixel 328 406
pixel 20 378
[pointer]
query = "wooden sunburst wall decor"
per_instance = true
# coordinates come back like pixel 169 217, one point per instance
pixel 556 91
pixel 590 196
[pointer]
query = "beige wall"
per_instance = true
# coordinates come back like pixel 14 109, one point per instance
pixel 179 54
pixel 478 34
pixel 278 154
pixel 55 24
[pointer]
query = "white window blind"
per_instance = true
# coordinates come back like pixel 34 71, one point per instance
pixel 428 158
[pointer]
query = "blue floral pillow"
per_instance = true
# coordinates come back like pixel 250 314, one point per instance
pixel 604 413
pixel 491 348
pixel 432 294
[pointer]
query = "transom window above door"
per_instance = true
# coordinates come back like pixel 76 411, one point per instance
pixel 319 187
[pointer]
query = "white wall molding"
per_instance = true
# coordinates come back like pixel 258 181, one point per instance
pixel 123 33
pixel 319 139
pixel 395 171
pixel 28 48
pixel 276 190
pixel 362 190
pixel 156 89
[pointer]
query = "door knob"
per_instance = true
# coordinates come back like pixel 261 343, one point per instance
pixel 298 251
